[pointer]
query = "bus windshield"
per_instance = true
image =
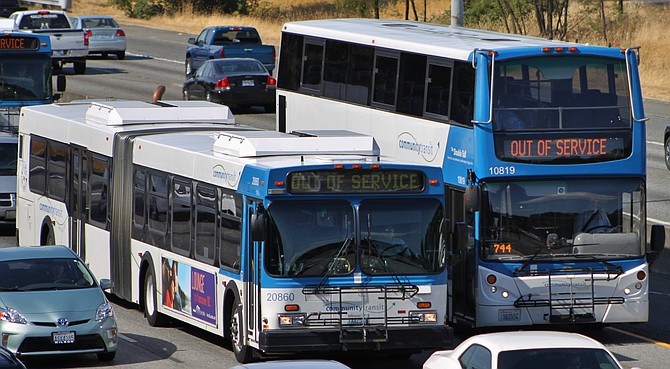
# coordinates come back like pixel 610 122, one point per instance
pixel 567 219
pixel 25 77
pixel 568 92
pixel 317 238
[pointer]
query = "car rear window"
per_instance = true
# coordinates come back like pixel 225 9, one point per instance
pixel 99 23
pixel 44 21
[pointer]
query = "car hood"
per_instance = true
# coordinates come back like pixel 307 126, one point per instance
pixel 42 303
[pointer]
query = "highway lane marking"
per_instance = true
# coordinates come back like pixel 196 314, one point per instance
pixel 155 58
pixel 643 338
pixel 126 338
pixel 655 143
pixel 658 221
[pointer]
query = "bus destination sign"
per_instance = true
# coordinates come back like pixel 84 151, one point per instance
pixel 563 148
pixel 19 43
pixel 355 181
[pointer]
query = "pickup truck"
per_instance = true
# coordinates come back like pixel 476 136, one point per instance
pixel 7 7
pixel 218 42
pixel 68 45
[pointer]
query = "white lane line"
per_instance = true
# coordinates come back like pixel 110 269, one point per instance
pixel 126 338
pixel 658 221
pixel 156 58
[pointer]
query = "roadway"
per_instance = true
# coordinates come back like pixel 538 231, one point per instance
pixel 156 57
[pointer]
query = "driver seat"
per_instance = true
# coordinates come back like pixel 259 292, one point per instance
pixel 596 221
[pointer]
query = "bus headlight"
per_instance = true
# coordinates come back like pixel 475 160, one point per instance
pixel 286 320
pixel 423 316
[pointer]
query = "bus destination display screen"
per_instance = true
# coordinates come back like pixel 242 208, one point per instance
pixel 563 148
pixel 19 43
pixel 355 181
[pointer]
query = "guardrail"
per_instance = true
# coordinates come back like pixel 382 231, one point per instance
pixel 63 4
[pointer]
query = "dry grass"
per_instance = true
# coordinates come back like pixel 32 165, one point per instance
pixel 647 29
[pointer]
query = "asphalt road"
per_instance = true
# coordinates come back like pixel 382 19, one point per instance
pixel 156 57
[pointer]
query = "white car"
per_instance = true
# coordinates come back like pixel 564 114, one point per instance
pixel 525 350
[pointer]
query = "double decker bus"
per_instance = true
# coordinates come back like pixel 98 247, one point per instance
pixel 546 140
pixel 278 242
pixel 25 74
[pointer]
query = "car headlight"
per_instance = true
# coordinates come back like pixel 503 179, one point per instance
pixel 105 311
pixel 12 316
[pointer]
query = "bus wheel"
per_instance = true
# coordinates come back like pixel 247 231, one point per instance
pixel 154 318
pixel 48 238
pixel 243 353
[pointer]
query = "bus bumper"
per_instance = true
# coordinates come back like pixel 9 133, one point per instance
pixel 406 338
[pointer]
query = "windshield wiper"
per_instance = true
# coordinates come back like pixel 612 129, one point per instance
pixel 553 243
pixel 338 255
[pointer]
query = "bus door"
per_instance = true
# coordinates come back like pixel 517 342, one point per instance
pixel 462 262
pixel 252 267
pixel 77 203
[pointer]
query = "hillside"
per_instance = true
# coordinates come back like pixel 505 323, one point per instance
pixel 641 25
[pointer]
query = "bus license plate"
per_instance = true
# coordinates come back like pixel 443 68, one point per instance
pixel 509 315
pixel 248 83
pixel 62 337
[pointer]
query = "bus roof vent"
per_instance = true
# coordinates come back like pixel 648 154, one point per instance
pixel 126 112
pixel 265 143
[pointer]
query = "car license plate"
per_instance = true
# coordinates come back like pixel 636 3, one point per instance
pixel 62 337
pixel 509 315
pixel 247 83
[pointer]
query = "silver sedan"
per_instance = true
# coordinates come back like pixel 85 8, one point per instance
pixel 51 304
pixel 105 36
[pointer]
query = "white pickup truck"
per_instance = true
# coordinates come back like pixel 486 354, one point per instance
pixel 68 45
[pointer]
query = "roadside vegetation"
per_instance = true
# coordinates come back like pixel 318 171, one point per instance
pixel 613 22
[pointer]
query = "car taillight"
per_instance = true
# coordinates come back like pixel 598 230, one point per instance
pixel 221 53
pixel 272 81
pixel 120 33
pixel 222 84
pixel 87 35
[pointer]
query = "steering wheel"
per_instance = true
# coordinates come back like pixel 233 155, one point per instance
pixel 606 226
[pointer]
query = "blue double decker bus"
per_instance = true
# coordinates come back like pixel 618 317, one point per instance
pixel 541 144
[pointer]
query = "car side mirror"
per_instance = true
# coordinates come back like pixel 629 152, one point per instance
pixel 656 242
pixel 106 284
pixel 60 83
pixel 191 41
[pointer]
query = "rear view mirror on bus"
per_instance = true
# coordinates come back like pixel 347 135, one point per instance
pixel 472 195
pixel 257 227
pixel 656 242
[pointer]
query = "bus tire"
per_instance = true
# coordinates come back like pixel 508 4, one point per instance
pixel 243 353
pixel 155 318
pixel 48 238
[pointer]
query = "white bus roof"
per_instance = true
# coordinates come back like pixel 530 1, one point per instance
pixel 92 124
pixel 425 38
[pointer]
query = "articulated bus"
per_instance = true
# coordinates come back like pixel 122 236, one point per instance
pixel 280 243
pixel 25 74
pixel 546 140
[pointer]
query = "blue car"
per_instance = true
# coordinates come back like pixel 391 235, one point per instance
pixel 51 304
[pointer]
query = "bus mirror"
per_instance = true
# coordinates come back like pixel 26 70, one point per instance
pixel 60 83
pixel 257 227
pixel 657 242
pixel 472 195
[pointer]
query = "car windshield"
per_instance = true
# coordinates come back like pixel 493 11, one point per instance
pixel 570 358
pixel 570 219
pixel 44 274
pixel 8 154
pixel 379 237
pixel 569 92
pixel 25 77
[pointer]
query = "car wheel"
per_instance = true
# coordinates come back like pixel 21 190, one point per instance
pixel 80 67
pixel 154 318
pixel 667 153
pixel 106 356
pixel 208 96
pixel 121 55
pixel 243 353
pixel 188 67
pixel 186 95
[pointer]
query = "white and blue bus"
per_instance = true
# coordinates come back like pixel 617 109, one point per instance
pixel 280 243
pixel 545 138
